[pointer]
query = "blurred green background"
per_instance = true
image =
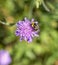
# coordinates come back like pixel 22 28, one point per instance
pixel 44 49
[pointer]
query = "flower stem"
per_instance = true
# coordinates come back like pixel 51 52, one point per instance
pixel 44 5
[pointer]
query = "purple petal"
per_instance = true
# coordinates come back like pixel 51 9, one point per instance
pixel 25 38
pixel 21 39
pixel 29 39
pixel 36 22
pixel 18 23
pixel 17 33
pixel 25 18
pixel 32 20
pixel 35 34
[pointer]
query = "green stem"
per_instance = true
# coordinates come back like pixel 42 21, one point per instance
pixel 44 5
pixel 7 24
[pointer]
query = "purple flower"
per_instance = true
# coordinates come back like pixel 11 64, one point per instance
pixel 5 58
pixel 25 30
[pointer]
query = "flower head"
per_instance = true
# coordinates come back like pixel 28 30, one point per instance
pixel 5 58
pixel 25 30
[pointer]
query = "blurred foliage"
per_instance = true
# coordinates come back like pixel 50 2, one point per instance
pixel 44 49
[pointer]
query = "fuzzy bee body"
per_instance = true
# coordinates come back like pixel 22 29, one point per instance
pixel 35 25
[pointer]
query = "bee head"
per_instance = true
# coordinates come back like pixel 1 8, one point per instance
pixel 32 24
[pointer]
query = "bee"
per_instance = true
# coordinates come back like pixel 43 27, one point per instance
pixel 35 25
